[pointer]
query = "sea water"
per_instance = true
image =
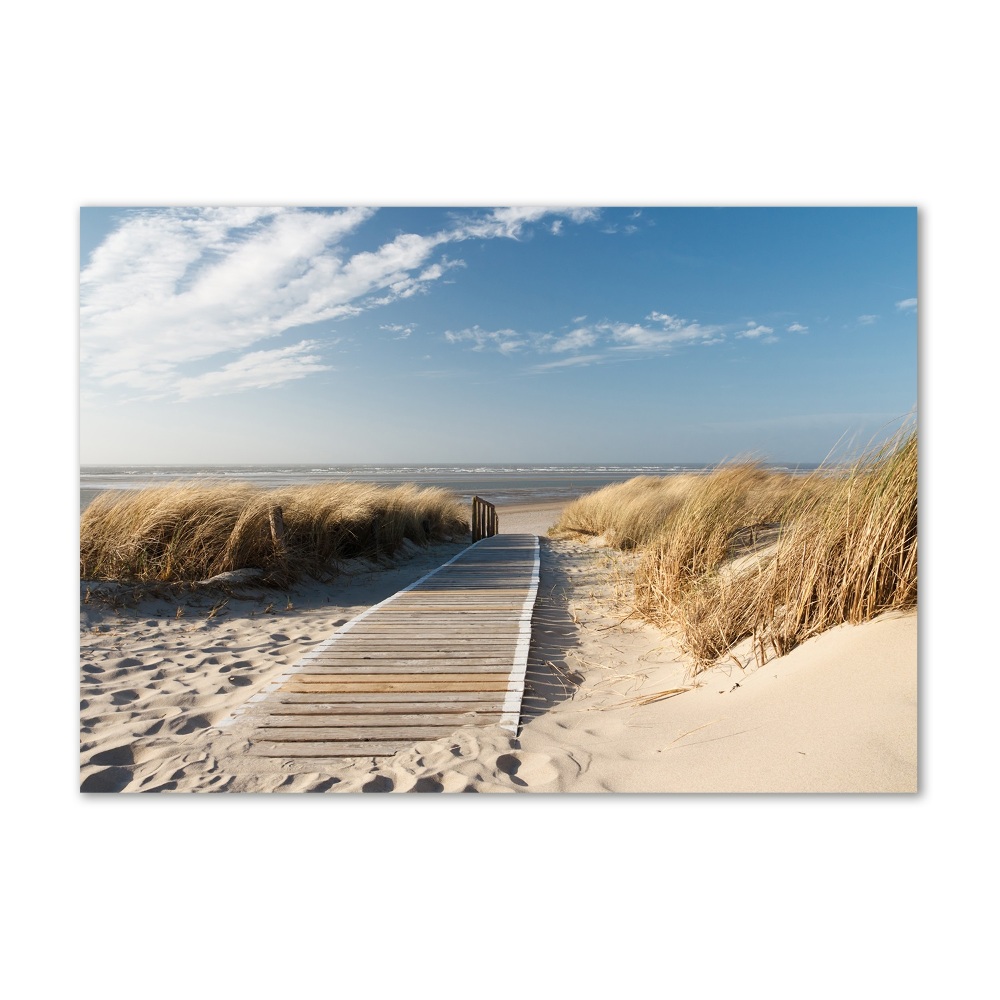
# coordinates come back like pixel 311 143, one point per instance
pixel 500 484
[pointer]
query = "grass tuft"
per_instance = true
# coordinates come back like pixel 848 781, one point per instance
pixel 745 553
pixel 191 532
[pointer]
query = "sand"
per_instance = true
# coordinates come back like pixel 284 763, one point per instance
pixel 601 712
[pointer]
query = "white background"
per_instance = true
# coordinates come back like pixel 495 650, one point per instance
pixel 459 104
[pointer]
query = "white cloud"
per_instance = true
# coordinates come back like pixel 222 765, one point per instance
pixel 867 319
pixel 511 222
pixel 170 288
pixel 578 360
pixel 505 341
pixel 797 328
pixel 660 334
pixel 557 227
pixel 907 305
pixel 755 330
pixel 181 285
pixel 402 331
pixel 257 370
pixel 672 331
pixel 573 341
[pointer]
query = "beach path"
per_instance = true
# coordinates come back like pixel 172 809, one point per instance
pixel 448 651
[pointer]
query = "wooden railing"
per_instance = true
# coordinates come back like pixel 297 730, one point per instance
pixel 484 519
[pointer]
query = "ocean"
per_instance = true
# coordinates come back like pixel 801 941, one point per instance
pixel 500 484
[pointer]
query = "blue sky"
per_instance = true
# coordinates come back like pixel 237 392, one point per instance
pixel 626 334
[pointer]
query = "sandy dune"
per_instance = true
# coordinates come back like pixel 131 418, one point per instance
pixel 839 714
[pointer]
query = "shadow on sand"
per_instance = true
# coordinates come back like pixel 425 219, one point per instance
pixel 551 677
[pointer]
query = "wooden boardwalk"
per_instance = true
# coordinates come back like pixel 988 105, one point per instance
pixel 448 651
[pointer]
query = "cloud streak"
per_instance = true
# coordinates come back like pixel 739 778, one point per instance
pixel 257 370
pixel 659 334
pixel 171 289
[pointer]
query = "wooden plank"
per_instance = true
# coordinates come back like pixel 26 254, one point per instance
pixel 333 670
pixel 412 687
pixel 386 698
pixel 388 710
pixel 447 678
pixel 419 635
pixel 446 652
pixel 381 709
pixel 374 683
pixel 353 734
pixel 415 652
pixel 324 751
pixel 375 719
pixel 420 645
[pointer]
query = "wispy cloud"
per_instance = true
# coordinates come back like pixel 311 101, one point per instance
pixel 505 341
pixel 868 319
pixel 755 331
pixel 661 330
pixel 170 289
pixel 658 335
pixel 401 331
pixel 512 222
pixel 257 370
pixel 907 305
pixel 797 328
pixel 576 361
pixel 575 340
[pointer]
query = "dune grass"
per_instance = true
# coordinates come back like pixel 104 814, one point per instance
pixel 744 553
pixel 626 515
pixel 193 531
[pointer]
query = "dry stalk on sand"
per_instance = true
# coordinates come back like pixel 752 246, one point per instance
pixel 743 553
pixel 192 532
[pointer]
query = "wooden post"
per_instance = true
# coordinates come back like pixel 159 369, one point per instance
pixel 277 521
pixel 485 521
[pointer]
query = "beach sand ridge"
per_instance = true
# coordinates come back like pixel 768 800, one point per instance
pixel 609 704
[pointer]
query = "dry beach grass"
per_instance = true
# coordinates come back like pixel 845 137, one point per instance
pixel 191 532
pixel 743 553
pixel 615 700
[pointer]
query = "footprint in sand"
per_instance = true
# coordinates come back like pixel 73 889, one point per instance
pixel 167 786
pixel 527 768
pixel 380 783
pixel 427 784
pixel 193 724
pixel 447 781
pixel 124 697
pixel 111 779
pixel 324 786
pixel 117 756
